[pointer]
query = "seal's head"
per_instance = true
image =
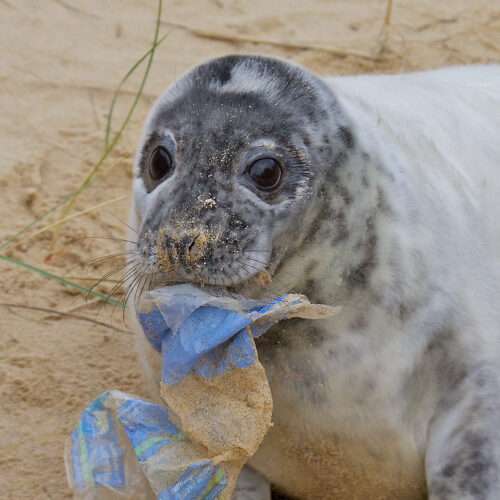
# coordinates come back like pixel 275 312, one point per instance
pixel 230 170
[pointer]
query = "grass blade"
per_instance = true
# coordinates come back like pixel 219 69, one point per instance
pixel 70 198
pixel 80 317
pixel 96 167
pixel 35 221
pixel 69 217
pixel 62 280
pixel 120 85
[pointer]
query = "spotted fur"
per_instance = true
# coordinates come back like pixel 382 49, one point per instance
pixel 388 206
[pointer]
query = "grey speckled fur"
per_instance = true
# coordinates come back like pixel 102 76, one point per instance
pixel 388 206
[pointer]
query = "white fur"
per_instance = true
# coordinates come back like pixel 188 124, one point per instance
pixel 438 133
pixel 447 121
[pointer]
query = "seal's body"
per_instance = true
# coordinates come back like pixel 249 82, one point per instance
pixel 376 193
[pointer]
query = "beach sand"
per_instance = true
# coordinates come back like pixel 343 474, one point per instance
pixel 60 63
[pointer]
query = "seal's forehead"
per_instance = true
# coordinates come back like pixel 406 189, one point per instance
pixel 242 74
pixel 250 74
pixel 247 76
pixel 245 83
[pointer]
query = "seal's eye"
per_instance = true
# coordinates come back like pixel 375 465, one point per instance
pixel 160 163
pixel 266 173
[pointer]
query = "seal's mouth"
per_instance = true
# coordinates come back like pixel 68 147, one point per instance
pixel 223 284
pixel 216 262
pixel 251 286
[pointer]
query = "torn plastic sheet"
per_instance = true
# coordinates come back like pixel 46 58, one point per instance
pixel 200 332
pixel 122 447
pixel 217 395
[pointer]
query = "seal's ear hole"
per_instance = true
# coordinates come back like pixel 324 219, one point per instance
pixel 160 163
pixel 265 173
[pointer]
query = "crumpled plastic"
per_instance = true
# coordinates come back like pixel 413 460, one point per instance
pixel 218 402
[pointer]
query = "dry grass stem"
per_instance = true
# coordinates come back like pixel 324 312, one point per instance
pixel 229 37
pixel 76 9
pixel 86 305
pixel 83 278
pixel 61 313
pixel 66 219
pixel 122 157
pixel 88 87
pixel 489 44
pixel 384 34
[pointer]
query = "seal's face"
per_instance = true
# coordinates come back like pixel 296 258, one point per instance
pixel 229 167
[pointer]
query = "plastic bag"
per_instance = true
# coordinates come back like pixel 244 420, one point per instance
pixel 217 395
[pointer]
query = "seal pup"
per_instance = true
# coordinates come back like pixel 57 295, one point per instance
pixel 377 193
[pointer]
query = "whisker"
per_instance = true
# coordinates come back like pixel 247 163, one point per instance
pixel 151 277
pixel 282 270
pixel 137 215
pixel 136 296
pixel 119 284
pixel 113 271
pixel 101 259
pixel 141 275
pixel 269 294
pixel 130 288
pixel 112 238
pixel 274 278
pixel 122 221
pixel 128 274
pixel 248 249
pixel 249 276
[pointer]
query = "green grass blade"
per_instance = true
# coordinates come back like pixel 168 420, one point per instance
pixel 87 180
pixel 120 85
pixel 62 280
pixel 108 126
pixel 70 198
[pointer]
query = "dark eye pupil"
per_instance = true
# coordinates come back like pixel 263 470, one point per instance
pixel 160 163
pixel 266 173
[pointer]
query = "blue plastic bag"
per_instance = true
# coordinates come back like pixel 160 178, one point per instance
pixel 124 447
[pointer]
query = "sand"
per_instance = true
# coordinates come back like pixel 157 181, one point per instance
pixel 60 63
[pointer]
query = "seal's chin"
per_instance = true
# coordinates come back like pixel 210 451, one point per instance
pixel 251 286
pixel 248 285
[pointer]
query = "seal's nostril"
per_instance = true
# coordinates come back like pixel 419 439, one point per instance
pixel 191 245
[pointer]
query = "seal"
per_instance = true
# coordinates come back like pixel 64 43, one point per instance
pixel 376 193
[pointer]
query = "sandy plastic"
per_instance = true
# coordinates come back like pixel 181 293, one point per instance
pixel 218 402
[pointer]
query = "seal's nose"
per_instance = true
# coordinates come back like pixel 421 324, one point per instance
pixel 190 241
pixel 195 247
pixel 186 248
